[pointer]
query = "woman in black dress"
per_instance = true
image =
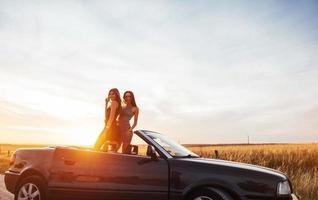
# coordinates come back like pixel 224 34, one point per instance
pixel 110 133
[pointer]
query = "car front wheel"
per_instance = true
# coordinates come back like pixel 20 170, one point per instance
pixel 210 194
pixel 31 188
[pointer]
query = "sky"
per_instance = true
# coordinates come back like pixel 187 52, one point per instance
pixel 202 71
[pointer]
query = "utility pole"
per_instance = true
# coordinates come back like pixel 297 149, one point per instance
pixel 248 139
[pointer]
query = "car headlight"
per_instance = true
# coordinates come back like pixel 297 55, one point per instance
pixel 283 188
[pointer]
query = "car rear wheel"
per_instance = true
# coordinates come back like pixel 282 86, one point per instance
pixel 210 194
pixel 31 188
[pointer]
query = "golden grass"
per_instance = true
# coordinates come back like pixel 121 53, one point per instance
pixel 4 163
pixel 298 161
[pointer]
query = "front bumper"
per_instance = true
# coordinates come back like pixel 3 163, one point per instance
pixel 11 180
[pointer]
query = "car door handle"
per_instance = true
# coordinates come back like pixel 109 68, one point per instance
pixel 68 161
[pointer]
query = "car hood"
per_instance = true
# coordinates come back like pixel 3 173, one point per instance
pixel 238 165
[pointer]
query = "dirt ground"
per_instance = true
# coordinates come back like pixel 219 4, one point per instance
pixel 4 194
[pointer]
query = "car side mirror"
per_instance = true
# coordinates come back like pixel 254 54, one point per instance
pixel 151 152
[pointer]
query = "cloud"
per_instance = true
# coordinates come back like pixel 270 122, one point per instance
pixel 228 68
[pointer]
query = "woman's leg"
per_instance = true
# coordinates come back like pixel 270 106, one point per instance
pixel 115 137
pixel 126 141
pixel 100 140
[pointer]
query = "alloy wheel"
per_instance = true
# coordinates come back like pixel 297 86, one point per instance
pixel 29 191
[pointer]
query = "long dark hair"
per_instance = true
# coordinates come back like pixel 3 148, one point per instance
pixel 133 101
pixel 118 99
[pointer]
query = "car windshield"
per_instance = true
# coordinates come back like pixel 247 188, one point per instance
pixel 173 148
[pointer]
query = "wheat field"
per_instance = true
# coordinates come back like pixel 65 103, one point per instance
pixel 298 161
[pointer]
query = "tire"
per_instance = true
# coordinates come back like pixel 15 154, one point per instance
pixel 209 194
pixel 31 188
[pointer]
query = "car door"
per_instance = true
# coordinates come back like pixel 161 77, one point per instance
pixel 71 174
pixel 126 176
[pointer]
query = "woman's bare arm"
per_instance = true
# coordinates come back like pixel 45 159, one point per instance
pixel 105 111
pixel 136 113
pixel 113 107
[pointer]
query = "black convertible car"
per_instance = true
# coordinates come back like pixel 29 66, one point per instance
pixel 155 168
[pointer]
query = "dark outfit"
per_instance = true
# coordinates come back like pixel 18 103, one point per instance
pixel 112 135
pixel 125 115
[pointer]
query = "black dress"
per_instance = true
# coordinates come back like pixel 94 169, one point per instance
pixel 112 135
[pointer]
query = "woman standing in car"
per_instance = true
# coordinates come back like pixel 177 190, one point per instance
pixel 110 132
pixel 128 111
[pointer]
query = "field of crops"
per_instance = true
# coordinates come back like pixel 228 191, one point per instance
pixel 298 161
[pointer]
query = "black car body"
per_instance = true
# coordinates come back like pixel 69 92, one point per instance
pixel 167 171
